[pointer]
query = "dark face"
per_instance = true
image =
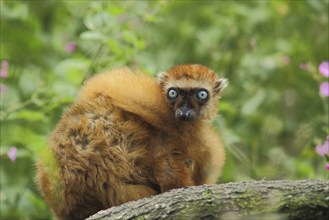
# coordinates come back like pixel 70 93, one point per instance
pixel 187 102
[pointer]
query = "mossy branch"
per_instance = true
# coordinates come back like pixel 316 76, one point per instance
pixel 305 199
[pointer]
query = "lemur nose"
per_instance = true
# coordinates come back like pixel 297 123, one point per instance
pixel 186 115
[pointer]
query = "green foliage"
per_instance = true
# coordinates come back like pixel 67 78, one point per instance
pixel 272 115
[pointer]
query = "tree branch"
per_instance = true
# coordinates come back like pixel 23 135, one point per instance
pixel 305 199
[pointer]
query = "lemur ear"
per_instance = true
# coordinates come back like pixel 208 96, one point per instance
pixel 220 85
pixel 161 77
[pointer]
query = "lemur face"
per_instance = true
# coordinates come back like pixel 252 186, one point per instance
pixel 187 102
pixel 192 91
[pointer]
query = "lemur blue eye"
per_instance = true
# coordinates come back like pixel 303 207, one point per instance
pixel 172 93
pixel 202 95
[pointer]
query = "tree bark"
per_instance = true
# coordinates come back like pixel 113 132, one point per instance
pixel 305 199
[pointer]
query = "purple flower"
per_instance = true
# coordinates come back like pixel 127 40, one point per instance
pixel 324 89
pixel 70 47
pixel 3 88
pixel 323 149
pixel 324 68
pixel 327 166
pixel 12 154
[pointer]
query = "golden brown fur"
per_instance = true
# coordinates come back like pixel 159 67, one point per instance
pixel 121 141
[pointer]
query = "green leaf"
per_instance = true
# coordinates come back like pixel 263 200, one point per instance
pixel 65 90
pixel 98 20
pixel 326 156
pixel 92 35
pixel 23 135
pixel 30 80
pixel 114 47
pixel 116 10
pixel 15 10
pixel 253 103
pixel 28 115
pixel 10 99
pixel 72 70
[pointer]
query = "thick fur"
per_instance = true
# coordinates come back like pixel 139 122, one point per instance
pixel 120 142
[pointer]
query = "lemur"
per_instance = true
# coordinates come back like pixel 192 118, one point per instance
pixel 130 136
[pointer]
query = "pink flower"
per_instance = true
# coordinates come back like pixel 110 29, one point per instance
pixel 323 149
pixel 3 73
pixel 4 69
pixel 327 166
pixel 286 60
pixel 4 64
pixel 3 88
pixel 324 68
pixel 12 153
pixel 70 47
pixel 324 89
pixel 304 66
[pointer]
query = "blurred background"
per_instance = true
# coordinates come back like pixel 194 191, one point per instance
pixel 273 117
